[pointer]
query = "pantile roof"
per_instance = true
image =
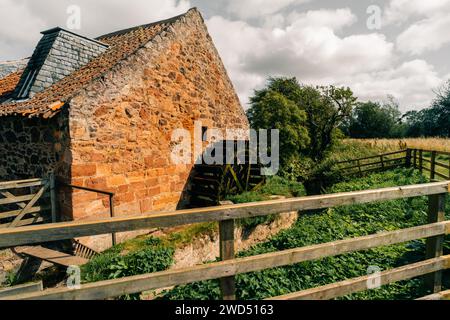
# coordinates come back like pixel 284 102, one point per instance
pixel 48 102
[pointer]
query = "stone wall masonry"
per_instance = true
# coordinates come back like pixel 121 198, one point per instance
pixel 32 148
pixel 121 125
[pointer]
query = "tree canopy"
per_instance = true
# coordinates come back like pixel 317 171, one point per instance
pixel 306 116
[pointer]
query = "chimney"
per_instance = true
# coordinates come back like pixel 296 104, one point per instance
pixel 57 55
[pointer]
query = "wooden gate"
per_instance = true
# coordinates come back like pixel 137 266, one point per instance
pixel 27 202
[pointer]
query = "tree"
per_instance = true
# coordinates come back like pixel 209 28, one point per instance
pixel 272 110
pixel 306 116
pixel 373 120
pixel 326 108
pixel 441 111
pixel 433 121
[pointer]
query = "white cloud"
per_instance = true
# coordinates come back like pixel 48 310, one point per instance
pixel 426 35
pixel 22 20
pixel 307 47
pixel 411 83
pixel 399 11
pixel 257 8
pixel 428 32
pixel 16 38
pixel 334 19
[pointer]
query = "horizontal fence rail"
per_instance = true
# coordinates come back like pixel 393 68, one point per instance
pixel 375 163
pixel 431 162
pixel 225 270
pixel 444 295
pixel 70 230
pixel 423 160
pixel 135 284
pixel 27 202
pixel 346 287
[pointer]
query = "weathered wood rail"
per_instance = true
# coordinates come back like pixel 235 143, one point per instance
pixel 438 169
pixel 225 270
pixel 34 201
pixel 416 158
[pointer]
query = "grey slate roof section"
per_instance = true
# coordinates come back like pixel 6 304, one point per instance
pixel 57 55
pixel 8 67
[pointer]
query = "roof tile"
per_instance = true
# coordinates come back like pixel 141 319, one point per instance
pixel 50 101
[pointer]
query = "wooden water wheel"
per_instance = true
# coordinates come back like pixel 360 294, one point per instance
pixel 214 183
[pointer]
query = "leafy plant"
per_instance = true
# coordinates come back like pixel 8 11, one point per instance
pixel 112 264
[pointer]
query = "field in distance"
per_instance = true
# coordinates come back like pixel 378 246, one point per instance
pixel 387 145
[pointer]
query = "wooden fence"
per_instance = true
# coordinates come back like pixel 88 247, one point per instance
pixel 27 202
pixel 229 267
pixel 436 163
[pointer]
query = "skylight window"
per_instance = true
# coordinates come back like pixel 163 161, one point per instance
pixel 26 87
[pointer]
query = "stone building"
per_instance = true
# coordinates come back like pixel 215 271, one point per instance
pixel 100 113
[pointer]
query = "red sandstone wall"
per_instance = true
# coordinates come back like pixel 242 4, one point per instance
pixel 121 125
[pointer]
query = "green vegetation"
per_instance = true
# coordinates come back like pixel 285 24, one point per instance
pixel 275 186
pixel 307 118
pixel 375 120
pixel 331 225
pixel 326 173
pixel 117 263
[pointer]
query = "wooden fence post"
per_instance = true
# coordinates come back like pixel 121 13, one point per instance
pixel 408 158
pixel 433 166
pixel 415 158
pixel 435 245
pixel 112 214
pixel 228 284
pixel 53 198
pixel 420 161
pixel 359 168
pixel 382 161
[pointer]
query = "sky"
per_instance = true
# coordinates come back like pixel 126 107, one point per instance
pixel 378 48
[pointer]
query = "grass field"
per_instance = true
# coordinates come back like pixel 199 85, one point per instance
pixel 437 144
pixel 389 145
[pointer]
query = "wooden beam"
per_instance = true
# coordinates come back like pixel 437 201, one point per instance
pixel 372 157
pixel 14 213
pixel 136 284
pixel 55 257
pixel 408 158
pixel 444 295
pixel 421 161
pixel 227 284
pixel 52 185
pixel 435 245
pixel 29 205
pixel 21 184
pixel 11 200
pixel 433 165
pixel 346 287
pixel 22 289
pixel 25 222
pixel 71 230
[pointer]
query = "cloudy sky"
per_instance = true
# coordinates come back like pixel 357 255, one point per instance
pixel 378 48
